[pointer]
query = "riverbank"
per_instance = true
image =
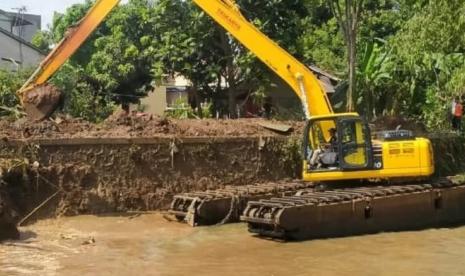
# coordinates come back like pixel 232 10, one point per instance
pixel 60 176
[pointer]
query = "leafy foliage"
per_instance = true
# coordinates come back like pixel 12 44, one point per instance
pixel 374 70
pixel 43 40
pixel 410 59
pixel 81 99
pixel 10 82
pixel 181 110
pixel 428 55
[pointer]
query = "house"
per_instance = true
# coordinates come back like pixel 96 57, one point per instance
pixel 165 97
pixel 281 96
pixel 286 101
pixel 16 33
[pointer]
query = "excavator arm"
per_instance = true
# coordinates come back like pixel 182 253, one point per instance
pixel 294 73
pixel 40 99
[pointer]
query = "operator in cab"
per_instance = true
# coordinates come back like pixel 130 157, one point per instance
pixel 326 154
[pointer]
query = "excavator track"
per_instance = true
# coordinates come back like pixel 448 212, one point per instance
pixel 353 211
pixel 226 205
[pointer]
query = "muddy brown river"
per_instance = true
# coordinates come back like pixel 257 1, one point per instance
pixel 149 245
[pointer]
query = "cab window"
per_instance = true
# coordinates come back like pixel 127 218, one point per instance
pixel 354 144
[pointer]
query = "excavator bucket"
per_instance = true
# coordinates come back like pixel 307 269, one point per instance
pixel 40 101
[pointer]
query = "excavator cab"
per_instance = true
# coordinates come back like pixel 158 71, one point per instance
pixel 337 143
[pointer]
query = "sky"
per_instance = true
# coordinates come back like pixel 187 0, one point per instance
pixel 45 8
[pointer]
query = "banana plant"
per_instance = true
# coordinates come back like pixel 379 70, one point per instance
pixel 373 69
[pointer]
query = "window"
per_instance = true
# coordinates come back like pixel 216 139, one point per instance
pixel 319 133
pixel 354 144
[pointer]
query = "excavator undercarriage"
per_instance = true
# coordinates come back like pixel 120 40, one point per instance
pixel 299 210
pixel 226 205
pixel 360 210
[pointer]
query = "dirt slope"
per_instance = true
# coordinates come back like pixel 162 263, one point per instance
pixel 137 127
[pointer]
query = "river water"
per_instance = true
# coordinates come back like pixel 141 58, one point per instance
pixel 150 245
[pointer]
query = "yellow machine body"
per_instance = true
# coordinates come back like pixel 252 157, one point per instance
pixel 401 159
pixel 360 157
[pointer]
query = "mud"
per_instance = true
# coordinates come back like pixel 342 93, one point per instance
pixel 144 125
pixel 150 245
pixel 449 154
pixel 8 228
pixel 94 176
pixel 137 126
pixel 40 101
pixel 394 122
pixel 8 214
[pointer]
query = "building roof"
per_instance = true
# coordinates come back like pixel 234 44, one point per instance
pixel 327 81
pixel 319 71
pixel 24 19
pixel 19 39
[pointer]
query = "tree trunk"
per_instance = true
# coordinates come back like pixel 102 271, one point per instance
pixel 197 100
pixel 352 21
pixel 229 74
pixel 352 73
pixel 347 18
pixel 369 103
pixel 232 104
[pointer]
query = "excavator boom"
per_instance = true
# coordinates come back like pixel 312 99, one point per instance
pixel 294 73
pixel 35 95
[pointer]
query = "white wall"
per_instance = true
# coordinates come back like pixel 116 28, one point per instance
pixel 10 48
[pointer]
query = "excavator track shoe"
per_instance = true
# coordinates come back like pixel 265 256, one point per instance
pixel 353 211
pixel 226 205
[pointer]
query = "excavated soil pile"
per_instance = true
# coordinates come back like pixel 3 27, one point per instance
pixel 449 154
pixel 136 162
pixel 8 228
pixel 152 126
pixel 393 122
pixel 8 215
pixel 138 126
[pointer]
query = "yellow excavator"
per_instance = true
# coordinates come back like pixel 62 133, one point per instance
pixel 357 156
pixel 336 146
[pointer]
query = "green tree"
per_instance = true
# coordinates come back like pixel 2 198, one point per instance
pixel 62 22
pixel 374 69
pixel 206 55
pixel 347 13
pixel 428 55
pixel 116 58
pixel 10 82
pixel 43 40
pixel 81 98
pixel 190 52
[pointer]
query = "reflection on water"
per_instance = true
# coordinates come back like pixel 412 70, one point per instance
pixel 150 245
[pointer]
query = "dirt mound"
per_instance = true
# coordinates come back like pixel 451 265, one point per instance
pixel 393 122
pixel 8 228
pixel 137 126
pixel 8 216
